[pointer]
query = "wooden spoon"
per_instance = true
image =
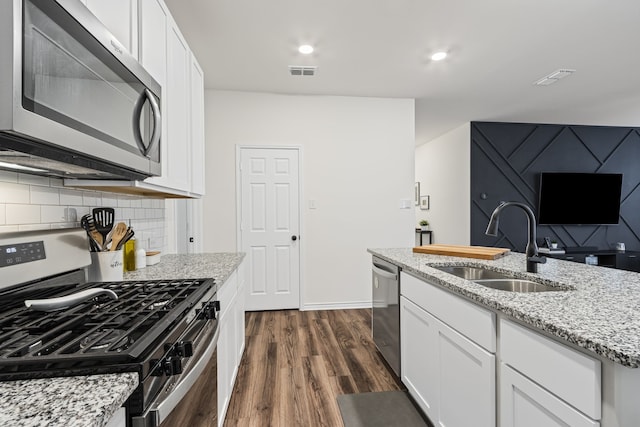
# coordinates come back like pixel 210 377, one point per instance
pixel 117 234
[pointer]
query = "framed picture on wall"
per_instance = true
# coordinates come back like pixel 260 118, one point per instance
pixel 424 203
pixel 416 194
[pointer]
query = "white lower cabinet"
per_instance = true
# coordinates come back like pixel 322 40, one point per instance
pixel 524 403
pixel 419 356
pixel 231 338
pixel 452 378
pixel 545 383
pixel 119 419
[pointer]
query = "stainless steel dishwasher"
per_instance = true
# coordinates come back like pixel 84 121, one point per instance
pixel 385 319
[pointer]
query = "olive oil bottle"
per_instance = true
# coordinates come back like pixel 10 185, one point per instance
pixel 130 255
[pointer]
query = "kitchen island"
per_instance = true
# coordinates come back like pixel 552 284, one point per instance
pixel 92 401
pixel 597 314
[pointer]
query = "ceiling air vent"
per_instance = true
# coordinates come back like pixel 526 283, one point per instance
pixel 554 77
pixel 302 70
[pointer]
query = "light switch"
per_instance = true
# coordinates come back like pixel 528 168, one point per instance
pixel 405 204
pixel 312 204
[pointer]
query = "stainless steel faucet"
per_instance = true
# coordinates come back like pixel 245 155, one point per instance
pixel 533 259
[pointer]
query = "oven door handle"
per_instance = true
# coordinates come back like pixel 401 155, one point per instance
pixel 160 410
pixel 53 304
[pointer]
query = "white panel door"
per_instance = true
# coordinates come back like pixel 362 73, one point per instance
pixel 269 227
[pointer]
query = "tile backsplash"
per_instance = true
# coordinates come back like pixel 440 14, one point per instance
pixel 32 202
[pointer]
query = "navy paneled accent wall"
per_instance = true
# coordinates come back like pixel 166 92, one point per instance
pixel 506 161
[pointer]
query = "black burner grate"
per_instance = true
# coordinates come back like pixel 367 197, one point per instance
pixel 99 328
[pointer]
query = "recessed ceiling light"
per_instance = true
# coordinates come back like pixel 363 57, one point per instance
pixel 439 56
pixel 554 77
pixel 305 49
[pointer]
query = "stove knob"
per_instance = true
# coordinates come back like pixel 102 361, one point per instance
pixel 185 348
pixel 172 366
pixel 209 309
pixel 176 362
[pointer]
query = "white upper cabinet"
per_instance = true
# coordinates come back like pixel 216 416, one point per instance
pixel 147 29
pixel 177 95
pixel 153 39
pixel 121 18
pixel 165 54
pixel 197 127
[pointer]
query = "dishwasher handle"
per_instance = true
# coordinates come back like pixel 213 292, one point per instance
pixel 380 271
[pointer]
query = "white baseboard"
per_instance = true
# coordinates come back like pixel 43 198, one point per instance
pixel 336 306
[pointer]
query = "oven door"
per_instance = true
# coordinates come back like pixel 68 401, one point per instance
pixel 193 392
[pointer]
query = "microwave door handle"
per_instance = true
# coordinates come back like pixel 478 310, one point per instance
pixel 157 121
pixel 157 125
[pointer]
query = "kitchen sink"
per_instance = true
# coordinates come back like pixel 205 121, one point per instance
pixel 500 281
pixel 474 273
pixel 517 285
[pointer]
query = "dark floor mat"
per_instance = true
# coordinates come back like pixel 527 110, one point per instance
pixel 382 409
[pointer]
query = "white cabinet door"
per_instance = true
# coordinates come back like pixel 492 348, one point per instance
pixel 176 115
pixel 467 380
pixel 225 365
pixel 152 34
pixel 445 372
pixel 523 403
pixel 121 19
pixel 239 313
pixel 197 128
pixel 228 345
pixel 419 356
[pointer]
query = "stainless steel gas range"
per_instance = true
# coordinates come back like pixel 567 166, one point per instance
pixel 164 330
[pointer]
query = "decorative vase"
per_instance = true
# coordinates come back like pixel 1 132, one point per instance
pixel 424 227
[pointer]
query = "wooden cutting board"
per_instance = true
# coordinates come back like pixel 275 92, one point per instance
pixel 480 252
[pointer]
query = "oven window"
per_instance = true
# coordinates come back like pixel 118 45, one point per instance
pixel 70 78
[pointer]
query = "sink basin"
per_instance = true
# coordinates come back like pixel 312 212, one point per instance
pixel 474 273
pixel 517 285
pixel 500 281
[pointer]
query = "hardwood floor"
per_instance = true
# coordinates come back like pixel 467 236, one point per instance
pixel 297 362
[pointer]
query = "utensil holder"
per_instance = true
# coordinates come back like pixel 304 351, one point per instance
pixel 106 266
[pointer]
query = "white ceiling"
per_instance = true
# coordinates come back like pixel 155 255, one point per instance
pixel 381 48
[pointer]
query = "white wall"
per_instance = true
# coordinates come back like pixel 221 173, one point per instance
pixel 443 168
pixel 357 163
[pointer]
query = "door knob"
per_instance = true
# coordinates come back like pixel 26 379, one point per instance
pixel 294 238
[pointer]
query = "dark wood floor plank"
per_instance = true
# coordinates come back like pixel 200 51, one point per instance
pixel 329 348
pixel 296 364
pixel 324 411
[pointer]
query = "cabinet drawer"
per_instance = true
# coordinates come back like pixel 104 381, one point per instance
pixel 476 323
pixel 526 404
pixel 572 376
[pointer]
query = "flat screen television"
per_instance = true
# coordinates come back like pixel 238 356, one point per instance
pixel 579 198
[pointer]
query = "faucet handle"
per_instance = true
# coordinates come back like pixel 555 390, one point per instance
pixel 537 259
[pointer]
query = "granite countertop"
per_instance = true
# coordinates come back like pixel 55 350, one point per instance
pixel 601 314
pixel 88 401
pixel 218 266
pixel 85 401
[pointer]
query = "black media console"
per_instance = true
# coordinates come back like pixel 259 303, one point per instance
pixel 629 260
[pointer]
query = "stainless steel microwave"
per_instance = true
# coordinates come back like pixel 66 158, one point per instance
pixel 73 102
